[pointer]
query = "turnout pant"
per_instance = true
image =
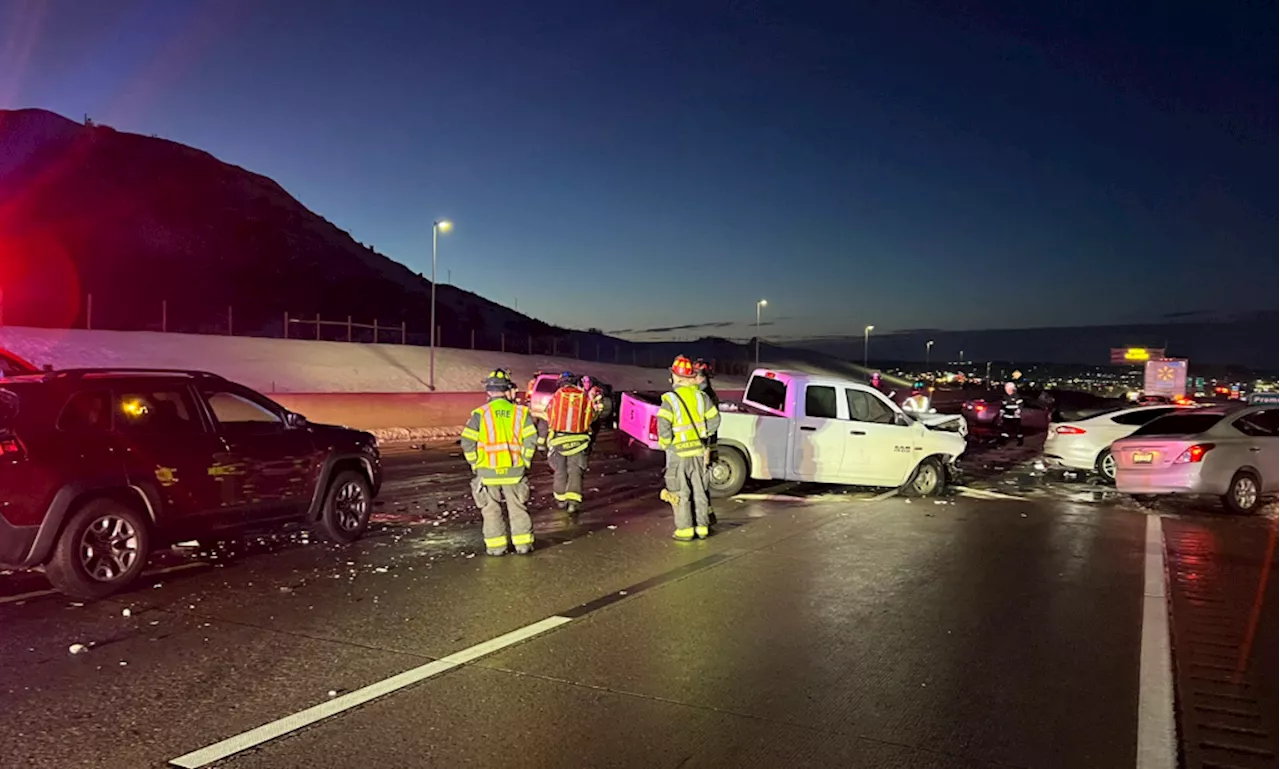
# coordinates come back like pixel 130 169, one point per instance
pixel 489 500
pixel 1011 427
pixel 686 477
pixel 568 470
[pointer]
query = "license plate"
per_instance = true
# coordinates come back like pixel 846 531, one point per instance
pixel 1143 457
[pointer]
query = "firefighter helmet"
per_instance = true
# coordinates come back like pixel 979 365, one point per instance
pixel 682 366
pixel 499 381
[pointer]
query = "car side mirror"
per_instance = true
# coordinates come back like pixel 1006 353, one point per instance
pixel 294 420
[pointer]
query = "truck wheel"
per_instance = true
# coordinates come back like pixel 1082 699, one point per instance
pixel 1105 466
pixel 347 506
pixel 1243 495
pixel 728 472
pixel 927 480
pixel 102 549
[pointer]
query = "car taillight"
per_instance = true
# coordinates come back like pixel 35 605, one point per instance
pixel 653 428
pixel 1193 454
pixel 1068 430
pixel 11 448
pixel 979 408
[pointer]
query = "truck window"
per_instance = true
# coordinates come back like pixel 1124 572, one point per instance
pixel 820 402
pixel 769 393
pixel 865 407
pixel 86 411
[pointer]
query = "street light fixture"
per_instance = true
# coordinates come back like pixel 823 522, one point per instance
pixel 759 304
pixel 866 344
pixel 439 227
pixel 928 347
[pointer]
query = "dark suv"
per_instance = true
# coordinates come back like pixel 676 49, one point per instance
pixel 99 466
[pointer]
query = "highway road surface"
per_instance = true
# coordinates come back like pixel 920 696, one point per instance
pixel 1020 621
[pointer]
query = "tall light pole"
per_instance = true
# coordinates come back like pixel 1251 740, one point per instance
pixel 438 227
pixel 928 347
pixel 866 344
pixel 759 304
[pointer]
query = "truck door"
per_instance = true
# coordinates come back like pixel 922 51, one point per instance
pixel 820 435
pixel 880 451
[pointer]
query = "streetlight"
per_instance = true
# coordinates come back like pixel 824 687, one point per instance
pixel 438 227
pixel 759 304
pixel 928 346
pixel 866 344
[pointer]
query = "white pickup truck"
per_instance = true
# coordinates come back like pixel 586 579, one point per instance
pixel 798 427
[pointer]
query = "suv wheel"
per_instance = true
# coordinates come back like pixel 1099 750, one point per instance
pixel 102 549
pixel 347 506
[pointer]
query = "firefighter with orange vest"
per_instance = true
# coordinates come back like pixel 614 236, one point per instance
pixel 570 415
pixel 687 420
pixel 499 442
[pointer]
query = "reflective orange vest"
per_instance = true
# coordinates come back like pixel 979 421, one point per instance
pixel 570 411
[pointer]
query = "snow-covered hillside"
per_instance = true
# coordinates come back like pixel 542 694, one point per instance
pixel 301 366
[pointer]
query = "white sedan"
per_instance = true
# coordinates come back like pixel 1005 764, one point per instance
pixel 1085 444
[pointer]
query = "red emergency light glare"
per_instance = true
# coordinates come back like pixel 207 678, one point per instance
pixel 1068 430
pixel 1193 454
pixel 979 408
pixel 770 375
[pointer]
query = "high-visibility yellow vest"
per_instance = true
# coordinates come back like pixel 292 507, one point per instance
pixel 499 441
pixel 687 409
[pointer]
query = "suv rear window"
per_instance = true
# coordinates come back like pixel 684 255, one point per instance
pixel 86 411
pixel 1179 424
pixel 769 393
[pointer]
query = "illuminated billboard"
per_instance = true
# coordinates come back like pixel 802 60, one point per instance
pixel 1135 355
pixel 1166 377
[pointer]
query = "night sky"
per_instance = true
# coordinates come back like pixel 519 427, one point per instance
pixel 663 165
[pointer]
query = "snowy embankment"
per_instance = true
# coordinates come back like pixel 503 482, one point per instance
pixel 381 387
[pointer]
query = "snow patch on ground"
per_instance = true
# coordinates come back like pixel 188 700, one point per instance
pixel 307 366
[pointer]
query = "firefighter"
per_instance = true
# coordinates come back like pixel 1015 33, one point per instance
pixel 703 371
pixel 604 409
pixel 686 421
pixel 918 402
pixel 570 415
pixel 1011 413
pixel 498 442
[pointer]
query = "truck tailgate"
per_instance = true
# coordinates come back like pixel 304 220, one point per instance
pixel 638 418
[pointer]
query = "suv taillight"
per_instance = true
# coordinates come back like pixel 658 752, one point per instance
pixel 653 428
pixel 1193 454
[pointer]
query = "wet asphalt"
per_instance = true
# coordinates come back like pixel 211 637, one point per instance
pixel 821 626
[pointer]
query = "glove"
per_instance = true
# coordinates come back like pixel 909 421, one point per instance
pixel 669 497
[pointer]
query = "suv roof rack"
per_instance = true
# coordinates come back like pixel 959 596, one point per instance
pixel 67 373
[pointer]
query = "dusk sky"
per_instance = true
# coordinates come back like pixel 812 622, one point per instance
pixel 663 164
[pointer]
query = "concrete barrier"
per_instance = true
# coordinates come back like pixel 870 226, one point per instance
pixel 383 412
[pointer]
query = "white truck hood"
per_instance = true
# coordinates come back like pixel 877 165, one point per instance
pixel 944 422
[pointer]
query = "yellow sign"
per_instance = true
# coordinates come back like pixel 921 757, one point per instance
pixel 1165 374
pixel 1137 353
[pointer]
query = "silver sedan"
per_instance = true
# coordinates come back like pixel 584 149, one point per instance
pixel 1228 452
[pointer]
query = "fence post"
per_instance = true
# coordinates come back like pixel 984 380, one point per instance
pixel 597 352
pixel 317 327
pixel 286 324
pixel 164 315
pixel 555 347
pixel 473 339
pixel 230 328
pixel 503 341
pixel 404 332
pixel 439 336
pixel 88 314
pixel 375 330
pixel 529 349
pixel 348 328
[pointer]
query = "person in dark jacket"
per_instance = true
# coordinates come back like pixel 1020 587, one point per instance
pixel 1011 413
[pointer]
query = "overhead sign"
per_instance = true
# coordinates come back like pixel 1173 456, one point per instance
pixel 1167 376
pixel 1134 355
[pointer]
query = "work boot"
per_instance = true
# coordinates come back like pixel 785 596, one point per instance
pixel 560 503
pixel 683 535
pixel 702 532
pixel 573 508
pixel 496 551
pixel 524 549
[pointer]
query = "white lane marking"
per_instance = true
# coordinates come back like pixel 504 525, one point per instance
pixel 965 491
pixel 43 593
pixel 283 726
pixel 1157 748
